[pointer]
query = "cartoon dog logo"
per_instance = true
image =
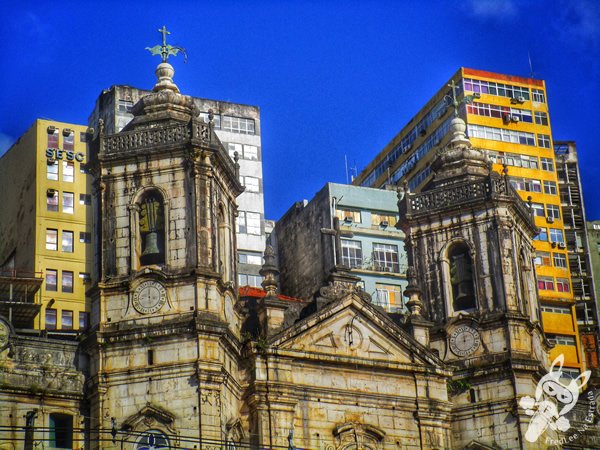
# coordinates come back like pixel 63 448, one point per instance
pixel 550 394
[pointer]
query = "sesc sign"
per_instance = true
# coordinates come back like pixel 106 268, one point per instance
pixel 69 155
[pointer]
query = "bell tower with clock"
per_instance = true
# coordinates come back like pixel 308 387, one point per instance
pixel 469 242
pixel 165 340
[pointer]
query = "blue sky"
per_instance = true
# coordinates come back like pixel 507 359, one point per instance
pixel 331 78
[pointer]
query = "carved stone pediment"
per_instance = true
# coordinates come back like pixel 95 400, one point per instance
pixel 150 416
pixel 358 436
pixel 474 445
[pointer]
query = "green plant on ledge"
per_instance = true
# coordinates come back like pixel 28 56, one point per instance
pixel 456 387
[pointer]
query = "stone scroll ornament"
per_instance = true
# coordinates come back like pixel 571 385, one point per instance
pixel 552 401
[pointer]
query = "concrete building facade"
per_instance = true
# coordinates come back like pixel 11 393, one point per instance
pixel 238 127
pixel 579 249
pixel 45 225
pixel 508 117
pixel 348 226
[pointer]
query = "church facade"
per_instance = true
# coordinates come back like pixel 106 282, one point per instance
pixel 177 358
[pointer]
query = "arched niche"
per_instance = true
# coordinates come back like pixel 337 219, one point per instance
pixel 458 277
pixel 148 216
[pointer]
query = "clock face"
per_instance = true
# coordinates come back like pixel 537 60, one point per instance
pixel 464 340
pixel 4 334
pixel 149 297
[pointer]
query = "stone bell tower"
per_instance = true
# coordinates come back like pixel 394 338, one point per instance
pixel 469 241
pixel 166 334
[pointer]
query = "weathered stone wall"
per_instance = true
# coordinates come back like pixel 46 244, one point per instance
pixel 305 254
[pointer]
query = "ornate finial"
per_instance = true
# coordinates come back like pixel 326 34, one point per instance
pixel 211 118
pixel 413 292
pixel 166 50
pixel 101 126
pixel 269 272
pixel 467 99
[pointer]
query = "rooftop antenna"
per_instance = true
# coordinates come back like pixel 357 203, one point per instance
pixel 530 65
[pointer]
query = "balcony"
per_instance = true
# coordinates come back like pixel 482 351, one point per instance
pixel 18 292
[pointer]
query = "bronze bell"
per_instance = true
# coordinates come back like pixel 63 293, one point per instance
pixel 151 247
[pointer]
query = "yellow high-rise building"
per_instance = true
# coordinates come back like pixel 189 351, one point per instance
pixel 45 225
pixel 507 116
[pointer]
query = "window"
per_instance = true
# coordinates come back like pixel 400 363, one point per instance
pixel 541 118
pixel 152 439
pixel 68 171
pixel 85 237
pixel 52 170
pixel 51 239
pixel 558 339
pixel 85 199
pixel 61 431
pixel 66 320
pixel 83 320
pixel 556 235
pixel 68 202
pixel 216 119
pixel 237 125
pixel 348 216
pixel 542 259
pixel 538 209
pixel 382 220
pixel 562 285
pixel 251 152
pixel 385 258
pixel 248 222
pixel 550 188
pixel 542 235
pixel 501 134
pixel 389 297
pixel 67 241
pixel 250 258
pixel 538 95
pixel 249 280
pixel 125 106
pixel 52 200
pixel 51 279
pixel 67 281
pixel 52 137
pixel 543 140
pixel 68 140
pixel 553 211
pixel 526 184
pixel 547 164
pixel 556 309
pixel 493 88
pixel 50 319
pixel 252 184
pixel 351 253
pixel 560 260
pixel 545 284
pixel 233 147
pixel 83 168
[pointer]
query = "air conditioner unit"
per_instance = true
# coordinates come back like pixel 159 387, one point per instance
pixel 422 132
pixel 384 223
pixel 51 192
pixel 476 95
pixel 348 219
pixel 515 118
pixel 51 161
pixel 562 245
pixel 506 118
pixel 51 129
pixel 553 244
pixel 67 132
pixel 518 99
pixel 550 219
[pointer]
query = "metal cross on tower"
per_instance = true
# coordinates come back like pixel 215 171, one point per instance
pixel 165 50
